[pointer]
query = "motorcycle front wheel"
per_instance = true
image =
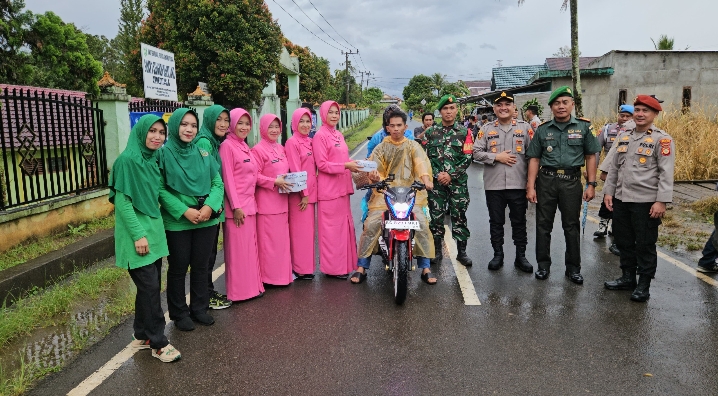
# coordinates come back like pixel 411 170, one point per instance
pixel 401 268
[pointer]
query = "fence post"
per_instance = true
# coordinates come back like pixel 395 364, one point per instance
pixel 113 101
pixel 199 100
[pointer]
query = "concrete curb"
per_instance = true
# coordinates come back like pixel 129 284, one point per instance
pixel 52 267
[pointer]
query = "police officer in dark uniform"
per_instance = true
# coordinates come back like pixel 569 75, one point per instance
pixel 560 147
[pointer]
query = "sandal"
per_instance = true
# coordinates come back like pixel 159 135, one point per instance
pixel 361 276
pixel 303 276
pixel 425 277
pixel 345 276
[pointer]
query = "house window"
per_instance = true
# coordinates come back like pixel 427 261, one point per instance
pixel 55 165
pixel 686 99
pixel 32 166
pixel 622 94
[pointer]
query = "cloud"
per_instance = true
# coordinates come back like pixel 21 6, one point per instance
pixel 487 46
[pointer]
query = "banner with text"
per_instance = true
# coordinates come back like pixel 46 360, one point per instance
pixel 158 70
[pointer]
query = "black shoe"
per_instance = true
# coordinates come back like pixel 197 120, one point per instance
pixel 627 281
pixel 542 274
pixel 303 276
pixel 614 249
pixel 461 256
pixel 575 277
pixel 203 319
pixel 439 250
pixel 521 262
pixel 498 260
pixel 184 324
pixel 641 294
pixel 602 229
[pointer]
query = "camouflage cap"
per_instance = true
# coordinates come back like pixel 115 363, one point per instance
pixel 446 99
pixel 561 91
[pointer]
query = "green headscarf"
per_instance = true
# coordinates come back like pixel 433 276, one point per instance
pixel 209 120
pixel 187 168
pixel 135 172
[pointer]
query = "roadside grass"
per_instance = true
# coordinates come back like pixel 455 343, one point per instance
pixel 358 134
pixel 706 207
pixel 37 247
pixel 53 307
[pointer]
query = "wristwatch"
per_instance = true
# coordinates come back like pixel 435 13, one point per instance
pixel 594 184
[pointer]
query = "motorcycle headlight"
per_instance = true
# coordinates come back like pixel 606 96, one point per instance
pixel 401 210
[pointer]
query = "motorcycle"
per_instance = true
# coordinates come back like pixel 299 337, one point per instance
pixel 396 242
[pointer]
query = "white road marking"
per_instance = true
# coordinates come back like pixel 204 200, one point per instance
pixel 99 376
pixel 359 150
pixel 678 263
pixel 462 274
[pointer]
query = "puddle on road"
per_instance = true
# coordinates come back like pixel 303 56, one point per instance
pixel 51 347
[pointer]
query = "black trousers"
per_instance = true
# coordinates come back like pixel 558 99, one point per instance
pixel 496 201
pixel 149 321
pixel 604 213
pixel 210 263
pixel 188 249
pixel 636 234
pixel 566 195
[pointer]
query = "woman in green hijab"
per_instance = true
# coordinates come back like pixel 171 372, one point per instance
pixel 215 124
pixel 191 194
pixel 140 241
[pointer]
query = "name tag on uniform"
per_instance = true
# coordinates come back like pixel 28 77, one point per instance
pixel 574 135
pixel 309 153
pixel 337 145
pixel 247 160
pixel 275 161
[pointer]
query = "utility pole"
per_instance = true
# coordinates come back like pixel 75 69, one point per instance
pixel 346 65
pixel 368 73
pixel 361 86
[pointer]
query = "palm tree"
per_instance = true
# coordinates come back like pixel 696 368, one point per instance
pixel 572 6
pixel 438 81
pixel 664 43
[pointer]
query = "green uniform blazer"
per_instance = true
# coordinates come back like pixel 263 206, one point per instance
pixel 130 226
pixel 174 204
pixel 563 147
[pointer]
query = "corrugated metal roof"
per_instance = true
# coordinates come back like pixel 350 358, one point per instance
pixel 565 63
pixel 549 74
pixel 513 76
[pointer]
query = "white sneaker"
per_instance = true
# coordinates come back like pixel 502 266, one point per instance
pixel 167 354
pixel 139 344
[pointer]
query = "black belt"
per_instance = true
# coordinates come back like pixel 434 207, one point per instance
pixel 561 171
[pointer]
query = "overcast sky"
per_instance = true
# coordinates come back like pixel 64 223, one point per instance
pixel 463 39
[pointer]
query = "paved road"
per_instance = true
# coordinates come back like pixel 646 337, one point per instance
pixel 527 337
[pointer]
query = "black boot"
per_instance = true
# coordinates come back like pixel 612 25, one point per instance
pixel 461 255
pixel 498 260
pixel 614 249
pixel 641 293
pixel 627 281
pixel 521 262
pixel 439 250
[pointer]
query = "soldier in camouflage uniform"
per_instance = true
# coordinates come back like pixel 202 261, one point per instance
pixel 449 147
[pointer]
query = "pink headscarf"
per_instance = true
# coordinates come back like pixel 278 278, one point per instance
pixel 324 112
pixel 264 126
pixel 234 117
pixel 297 116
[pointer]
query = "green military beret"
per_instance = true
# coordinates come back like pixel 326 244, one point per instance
pixel 446 99
pixel 561 91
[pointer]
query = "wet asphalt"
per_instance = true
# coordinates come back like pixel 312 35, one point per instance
pixel 328 337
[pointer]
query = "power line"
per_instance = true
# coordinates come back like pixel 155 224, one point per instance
pixel 362 62
pixel 325 20
pixel 320 28
pixel 285 11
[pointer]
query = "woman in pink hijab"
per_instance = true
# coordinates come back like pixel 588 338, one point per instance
pixel 301 204
pixel 337 239
pixel 275 261
pixel 239 172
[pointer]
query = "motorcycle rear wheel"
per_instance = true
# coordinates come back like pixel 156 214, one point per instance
pixel 401 268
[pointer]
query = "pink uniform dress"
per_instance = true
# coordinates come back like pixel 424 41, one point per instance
pixel 301 223
pixel 239 172
pixel 275 260
pixel 337 239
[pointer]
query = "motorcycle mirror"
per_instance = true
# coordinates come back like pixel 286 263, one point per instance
pixel 390 177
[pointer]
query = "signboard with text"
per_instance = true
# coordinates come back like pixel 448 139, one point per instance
pixel 158 71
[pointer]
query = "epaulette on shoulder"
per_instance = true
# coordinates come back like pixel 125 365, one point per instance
pixel 547 121
pixel 583 119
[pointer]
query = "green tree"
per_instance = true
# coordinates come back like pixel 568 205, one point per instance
pixel 14 27
pixel 372 95
pixel 233 45
pixel 564 52
pixel 420 87
pixel 438 81
pixel 102 49
pixel 664 43
pixel 126 41
pixel 60 56
pixel 314 78
pixel 338 89
pixel 458 89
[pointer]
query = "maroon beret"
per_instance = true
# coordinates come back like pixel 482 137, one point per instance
pixel 648 101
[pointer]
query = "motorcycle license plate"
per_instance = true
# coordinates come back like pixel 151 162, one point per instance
pixel 401 225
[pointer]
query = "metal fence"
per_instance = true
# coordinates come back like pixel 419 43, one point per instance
pixel 149 105
pixel 52 145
